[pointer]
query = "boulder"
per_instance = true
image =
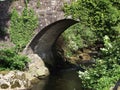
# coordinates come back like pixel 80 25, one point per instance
pixel 22 80
pixel 36 66
pixel 12 80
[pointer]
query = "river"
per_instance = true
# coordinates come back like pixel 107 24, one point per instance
pixel 66 79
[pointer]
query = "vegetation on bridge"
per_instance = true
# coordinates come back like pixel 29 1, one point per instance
pixel 22 28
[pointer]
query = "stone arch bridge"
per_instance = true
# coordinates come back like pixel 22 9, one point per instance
pixel 43 42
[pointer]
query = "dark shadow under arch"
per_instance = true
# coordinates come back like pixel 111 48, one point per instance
pixel 43 42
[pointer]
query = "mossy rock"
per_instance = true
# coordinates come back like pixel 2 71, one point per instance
pixel 4 86
pixel 4 72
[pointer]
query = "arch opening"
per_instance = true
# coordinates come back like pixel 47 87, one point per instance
pixel 43 43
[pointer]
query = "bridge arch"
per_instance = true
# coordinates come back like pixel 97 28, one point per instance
pixel 44 40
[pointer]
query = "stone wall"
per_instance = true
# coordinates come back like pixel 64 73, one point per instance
pixel 48 11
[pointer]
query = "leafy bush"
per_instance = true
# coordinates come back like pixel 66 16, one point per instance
pixel 102 19
pixel 106 71
pixel 22 27
pixel 76 37
pixel 10 59
pixel 101 16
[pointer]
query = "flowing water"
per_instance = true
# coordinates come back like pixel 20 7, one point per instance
pixel 66 79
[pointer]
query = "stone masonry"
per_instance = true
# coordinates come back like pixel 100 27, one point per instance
pixel 48 11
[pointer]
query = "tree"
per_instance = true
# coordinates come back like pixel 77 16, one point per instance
pixel 101 16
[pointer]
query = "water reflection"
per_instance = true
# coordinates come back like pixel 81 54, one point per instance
pixel 63 80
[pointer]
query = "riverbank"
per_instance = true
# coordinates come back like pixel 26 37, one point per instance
pixel 16 79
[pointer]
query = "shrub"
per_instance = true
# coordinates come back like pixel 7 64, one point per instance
pixel 10 59
pixel 22 27
pixel 101 16
pixel 76 37
pixel 106 71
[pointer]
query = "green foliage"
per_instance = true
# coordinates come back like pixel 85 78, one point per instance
pixel 99 19
pixel 38 3
pixel 106 71
pixel 10 59
pixel 101 16
pixel 22 27
pixel 100 78
pixel 102 19
pixel 76 37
